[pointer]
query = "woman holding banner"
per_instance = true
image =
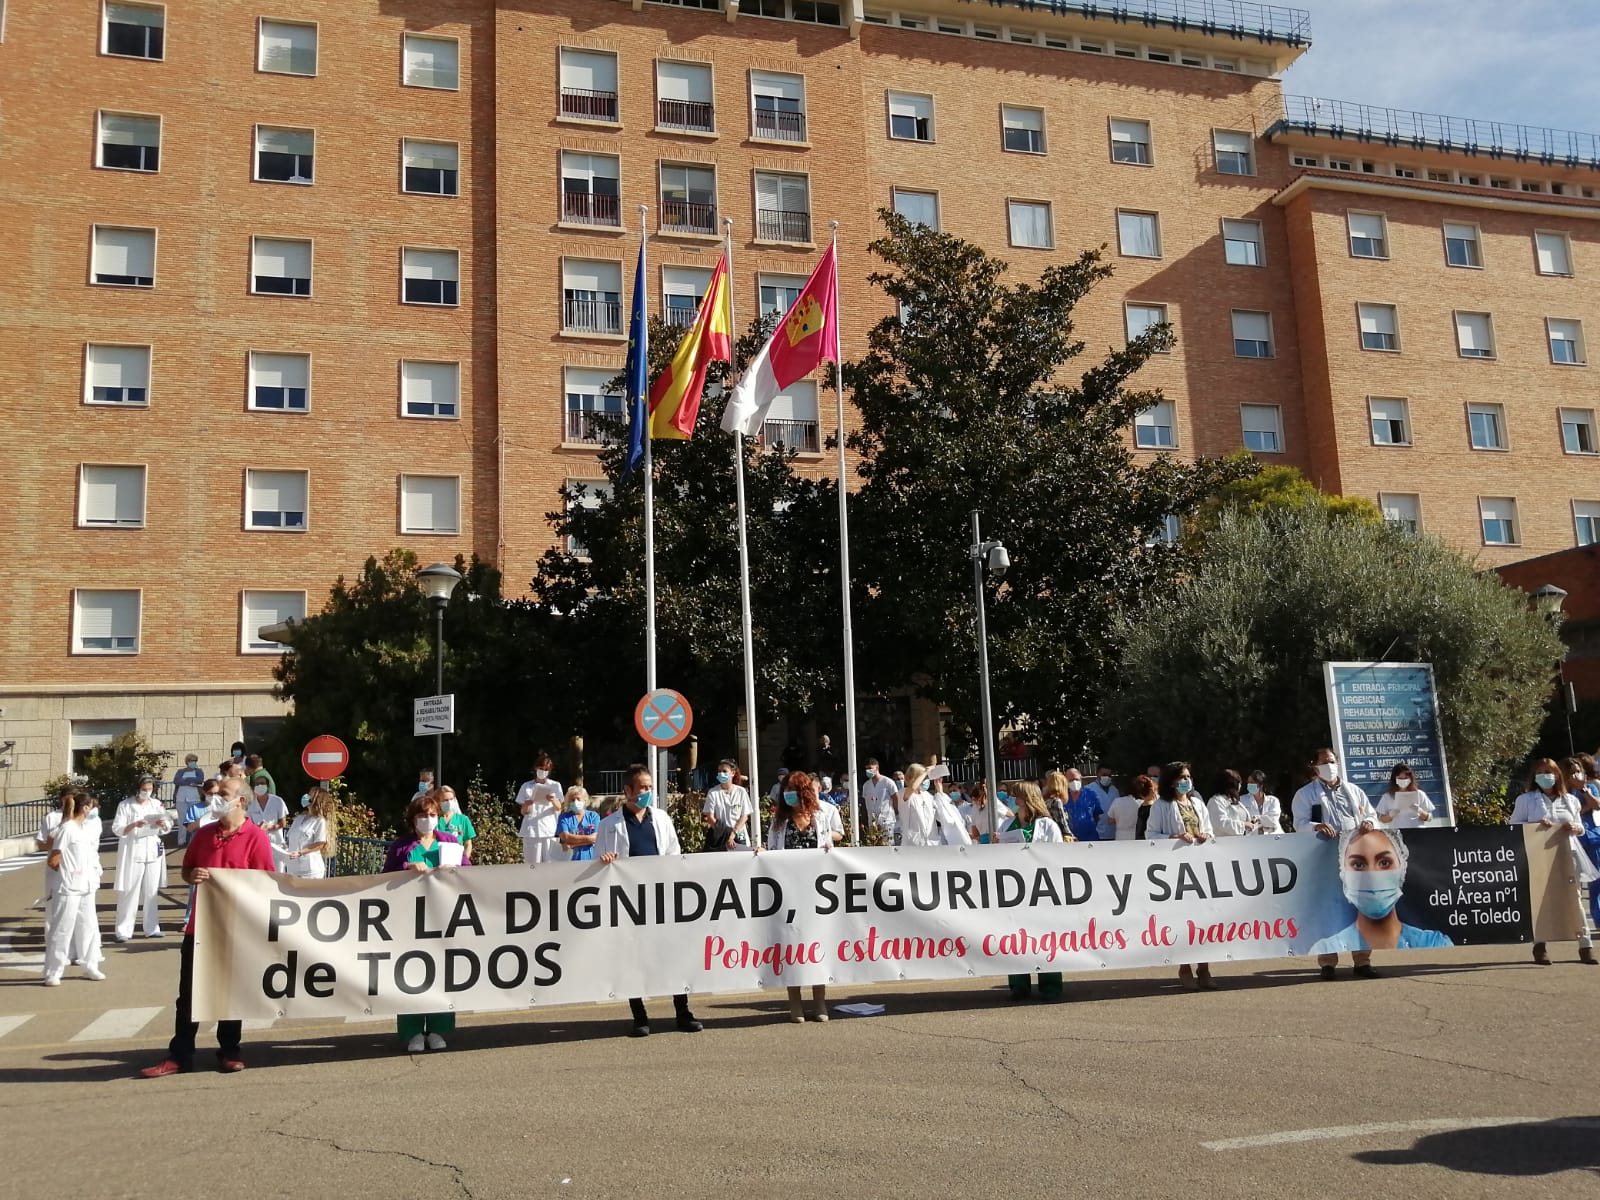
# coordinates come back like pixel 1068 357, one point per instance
pixel 1033 823
pixel 427 849
pixel 1547 804
pixel 803 822
pixel 1176 816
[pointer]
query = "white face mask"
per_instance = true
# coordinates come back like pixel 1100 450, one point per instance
pixel 450 805
pixel 1404 783
pixel 541 776
pixel 426 825
pixel 1105 781
pixel 261 789
pixel 145 793
pixel 1328 772
pixel 221 805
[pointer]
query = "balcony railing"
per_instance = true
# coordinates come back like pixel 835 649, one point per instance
pixel 590 208
pixel 592 316
pixel 685 216
pixel 1238 19
pixel 586 425
pixel 685 114
pixel 780 225
pixel 801 436
pixel 588 105
pixel 680 317
pixel 1417 130
pixel 783 126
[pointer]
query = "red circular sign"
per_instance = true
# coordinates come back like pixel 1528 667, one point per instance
pixel 324 757
pixel 663 717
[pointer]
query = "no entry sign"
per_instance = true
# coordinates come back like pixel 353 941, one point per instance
pixel 324 757
pixel 663 717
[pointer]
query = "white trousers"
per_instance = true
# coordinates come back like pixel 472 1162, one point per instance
pixel 70 918
pixel 145 891
pixel 536 850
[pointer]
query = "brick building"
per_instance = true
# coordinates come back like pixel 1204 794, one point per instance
pixel 302 282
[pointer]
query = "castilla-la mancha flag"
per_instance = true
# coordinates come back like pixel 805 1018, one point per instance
pixel 807 335
pixel 675 394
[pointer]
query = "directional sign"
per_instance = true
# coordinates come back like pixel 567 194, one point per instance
pixel 663 717
pixel 324 757
pixel 1385 713
pixel 433 714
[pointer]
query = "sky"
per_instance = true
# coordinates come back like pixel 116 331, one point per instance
pixel 1534 62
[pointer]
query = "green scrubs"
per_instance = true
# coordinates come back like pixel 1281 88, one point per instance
pixel 411 1024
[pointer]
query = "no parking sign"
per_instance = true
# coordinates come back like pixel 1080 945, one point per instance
pixel 663 717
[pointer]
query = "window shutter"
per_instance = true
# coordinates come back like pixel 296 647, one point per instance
pixel 117 129
pixel 119 366
pixel 1251 326
pixel 437 156
pixel 1472 329
pixel 1377 318
pixel 432 264
pixel 282 259
pixel 689 82
pixel 767 192
pixel 125 252
pixel 430 382
pixel 280 370
pixel 290 49
pixel 1229 142
pixel 285 141
pixel 1366 225
pixel 128 14
pixel 588 72
pixel 783 87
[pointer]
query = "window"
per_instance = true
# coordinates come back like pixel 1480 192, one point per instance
pixel 287 48
pixel 1022 129
pixel 1153 428
pixel 1486 424
pixel 284 155
pixel 682 289
pixel 432 62
pixel 590 189
pixel 1401 511
pixel 124 257
pixel 111 497
pixel 688 199
pixel 1577 431
pixel 430 504
pixel 910 117
pixel 430 168
pixel 280 267
pixel 1474 335
pixel 589 405
pixel 1391 421
pixel 589 85
pixel 105 622
pixel 779 292
pixel 1499 517
pixel 778 105
pixel 430 389
pixel 1235 155
pixel 683 97
pixel 1140 317
pixel 1368 237
pixel 280 382
pixel 1379 326
pixel 1554 253
pixel 134 31
pixel 1252 334
pixel 1241 243
pixel 792 420
pixel 1263 428
pixel 1138 234
pixel 260 609
pixel 1586 521
pixel 591 494
pixel 1029 221
pixel 591 296
pixel 1566 342
pixel 1130 142
pixel 430 276
pixel 92 735
pixel 275 499
pixel 920 208
pixel 783 207
pixel 130 143
pixel 116 374
pixel 817 12
pixel 1461 247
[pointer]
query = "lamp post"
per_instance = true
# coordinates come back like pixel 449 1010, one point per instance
pixel 437 582
pixel 989 558
pixel 1548 599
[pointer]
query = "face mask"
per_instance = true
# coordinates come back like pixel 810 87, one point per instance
pixel 426 825
pixel 144 793
pixel 1374 893
pixel 541 776
pixel 925 786
pixel 900 780
pixel 1403 783
pixel 305 801
pixel 94 812
pixel 1074 785
pixel 791 798
pixel 1252 788
pixel 1327 772
pixel 423 787
pixel 1004 797
pixel 1545 780
pixel 450 806
pixel 1183 787
pixel 261 789
pixel 579 805
pixel 644 799
pixel 1105 781
pixel 221 805
pixel 724 777
pixel 872 772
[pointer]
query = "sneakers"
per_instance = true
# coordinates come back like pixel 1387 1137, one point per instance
pixel 156 934
pixel 52 981
pixel 94 973
pixel 417 1045
pixel 435 1042
pixel 163 1069
pixel 1586 955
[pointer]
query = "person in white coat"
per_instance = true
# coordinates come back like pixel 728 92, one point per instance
pixel 268 812
pixel 1403 804
pixel 1178 816
pixel 914 810
pixel 878 794
pixel 1331 806
pixel 640 829
pixel 76 861
pixel 1264 806
pixel 1547 804
pixel 310 836
pixel 802 822
pixel 539 800
pixel 45 840
pixel 139 825
pixel 1032 823
pixel 1230 815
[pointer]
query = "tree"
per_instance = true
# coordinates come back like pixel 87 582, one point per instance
pixel 112 772
pixel 972 397
pixel 1225 667
pixel 1278 487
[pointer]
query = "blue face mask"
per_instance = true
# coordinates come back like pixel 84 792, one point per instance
pixel 645 798
pixel 791 798
pixel 1253 788
pixel 1183 787
pixel 1004 796
pixel 724 777
pixel 1374 893
pixel 305 801
pixel 1545 780
pixel 925 786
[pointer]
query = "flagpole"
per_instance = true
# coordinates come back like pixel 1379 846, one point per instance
pixel 752 765
pixel 844 573
pixel 651 757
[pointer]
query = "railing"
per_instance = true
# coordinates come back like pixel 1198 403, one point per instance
pixel 685 114
pixel 586 425
pixel 685 216
pixel 599 783
pixel 1419 130
pixel 358 856
pixel 588 104
pixel 780 225
pixel 800 436
pixel 781 125
pixel 22 818
pixel 592 316
pixel 591 208
pixel 969 770
pixel 1230 18
pixel 681 318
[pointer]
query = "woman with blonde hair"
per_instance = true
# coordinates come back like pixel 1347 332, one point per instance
pixel 1053 788
pixel 915 811
pixel 802 822
pixel 309 842
pixel 1033 823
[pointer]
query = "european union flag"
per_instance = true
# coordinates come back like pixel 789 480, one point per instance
pixel 637 378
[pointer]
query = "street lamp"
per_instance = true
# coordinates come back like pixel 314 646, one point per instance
pixel 437 582
pixel 1548 599
pixel 989 558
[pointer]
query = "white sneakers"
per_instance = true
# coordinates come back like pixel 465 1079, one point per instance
pixel 435 1042
pixel 94 973
pixel 52 981
pixel 416 1045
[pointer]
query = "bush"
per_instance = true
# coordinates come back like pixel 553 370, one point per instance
pixel 112 772
pixel 497 843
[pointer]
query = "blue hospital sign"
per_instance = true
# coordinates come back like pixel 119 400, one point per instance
pixel 1387 713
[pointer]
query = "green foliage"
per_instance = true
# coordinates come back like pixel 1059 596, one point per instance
pixel 497 842
pixel 1274 488
pixel 55 785
pixel 112 772
pixel 684 809
pixel 1225 667
pixel 1490 806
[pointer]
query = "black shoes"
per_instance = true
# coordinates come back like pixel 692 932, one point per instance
pixel 1328 974
pixel 687 1023
pixel 1366 971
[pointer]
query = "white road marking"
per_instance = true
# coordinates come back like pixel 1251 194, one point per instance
pixel 115 1024
pixel 1371 1128
pixel 9 1024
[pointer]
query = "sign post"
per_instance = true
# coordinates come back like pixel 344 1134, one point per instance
pixel 1381 714
pixel 325 757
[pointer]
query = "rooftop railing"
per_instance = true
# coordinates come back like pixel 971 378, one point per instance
pixel 1241 19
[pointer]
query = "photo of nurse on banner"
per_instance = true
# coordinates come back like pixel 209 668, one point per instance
pixel 1372 873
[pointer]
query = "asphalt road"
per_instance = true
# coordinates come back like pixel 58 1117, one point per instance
pixel 1462 1073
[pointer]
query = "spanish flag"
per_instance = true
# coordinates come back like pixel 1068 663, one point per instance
pixel 675 394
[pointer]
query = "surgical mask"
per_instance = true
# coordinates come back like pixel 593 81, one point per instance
pixel 1074 785
pixel 645 798
pixel 261 789
pixel 1105 781
pixel 791 798
pixel 579 804
pixel 925 786
pixel 305 801
pixel 426 825
pixel 1328 772
pixel 1183 787
pixel 1004 797
pixel 1545 780
pixel 541 776
pixel 1374 893
pixel 1253 788
pixel 221 805
pixel 1403 783
pixel 450 806
pixel 872 772
pixel 724 777
pixel 423 786
pixel 145 793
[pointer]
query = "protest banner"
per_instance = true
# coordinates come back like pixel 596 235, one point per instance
pixel 494 938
